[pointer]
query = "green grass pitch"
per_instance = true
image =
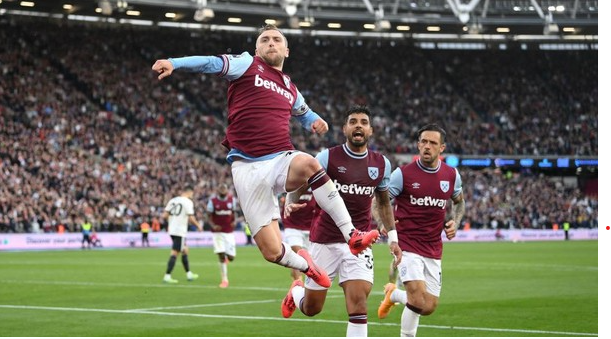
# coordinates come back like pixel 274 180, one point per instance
pixel 501 289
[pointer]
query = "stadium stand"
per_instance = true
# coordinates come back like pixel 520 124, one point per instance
pixel 84 131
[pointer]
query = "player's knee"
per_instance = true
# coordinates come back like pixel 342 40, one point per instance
pixel 308 165
pixel 429 308
pixel 311 310
pixel 271 255
pixel 426 312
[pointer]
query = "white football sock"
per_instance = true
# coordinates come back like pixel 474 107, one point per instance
pixel 298 295
pixel 292 259
pixel 223 271
pixel 398 296
pixel 357 329
pixel 409 322
pixel 330 201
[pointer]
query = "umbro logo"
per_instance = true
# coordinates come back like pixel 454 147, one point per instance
pixel 342 169
pixel 416 185
pixel 260 68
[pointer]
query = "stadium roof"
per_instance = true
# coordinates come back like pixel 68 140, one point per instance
pixel 561 19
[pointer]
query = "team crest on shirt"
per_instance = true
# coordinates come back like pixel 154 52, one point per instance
pixel 445 186
pixel 287 81
pixel 373 172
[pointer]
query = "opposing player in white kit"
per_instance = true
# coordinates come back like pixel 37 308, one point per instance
pixel 261 99
pixel 179 212
pixel 360 174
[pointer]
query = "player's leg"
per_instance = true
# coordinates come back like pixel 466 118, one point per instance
pixel 422 281
pixel 296 274
pixel 356 278
pixel 219 250
pixel 269 241
pixel 411 268
pixel 294 238
pixel 223 267
pixel 409 322
pixel 176 248
pixel 305 171
pixel 310 297
pixel 185 263
pixel 257 185
pixel 424 288
pixel 228 255
pixel 356 293
pixel 416 296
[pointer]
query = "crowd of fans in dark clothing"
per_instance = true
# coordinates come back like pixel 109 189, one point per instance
pixel 88 133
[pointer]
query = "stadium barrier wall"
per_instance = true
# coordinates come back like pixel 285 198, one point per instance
pixel 45 241
pixel 524 235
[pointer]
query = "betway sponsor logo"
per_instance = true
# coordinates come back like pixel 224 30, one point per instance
pixel 223 212
pixel 354 189
pixel 274 87
pixel 428 201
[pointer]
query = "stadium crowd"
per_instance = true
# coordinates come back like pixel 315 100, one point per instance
pixel 88 133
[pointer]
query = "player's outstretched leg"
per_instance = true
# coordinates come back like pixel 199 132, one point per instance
pixel 314 272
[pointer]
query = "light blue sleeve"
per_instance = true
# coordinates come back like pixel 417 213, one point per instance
pixel 303 113
pixel 323 158
pixel 384 184
pixel 396 183
pixel 199 64
pixel 227 66
pixel 210 206
pixel 457 185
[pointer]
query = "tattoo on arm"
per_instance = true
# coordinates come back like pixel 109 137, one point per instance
pixel 458 212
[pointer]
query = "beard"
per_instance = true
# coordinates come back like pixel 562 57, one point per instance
pixel 275 60
pixel 360 143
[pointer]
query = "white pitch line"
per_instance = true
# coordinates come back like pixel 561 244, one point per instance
pixel 75 309
pixel 204 305
pixel 220 304
pixel 159 285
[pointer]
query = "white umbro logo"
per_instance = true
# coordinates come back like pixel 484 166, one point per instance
pixel 260 68
pixel 416 185
pixel 341 169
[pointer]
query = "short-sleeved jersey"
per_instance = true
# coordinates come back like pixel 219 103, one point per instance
pixel 260 100
pixel 302 219
pixel 421 196
pixel 260 104
pixel 179 208
pixel 221 212
pixel 357 177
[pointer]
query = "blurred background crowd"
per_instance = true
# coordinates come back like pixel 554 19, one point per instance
pixel 88 133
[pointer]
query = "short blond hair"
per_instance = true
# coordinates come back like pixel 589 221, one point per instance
pixel 270 27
